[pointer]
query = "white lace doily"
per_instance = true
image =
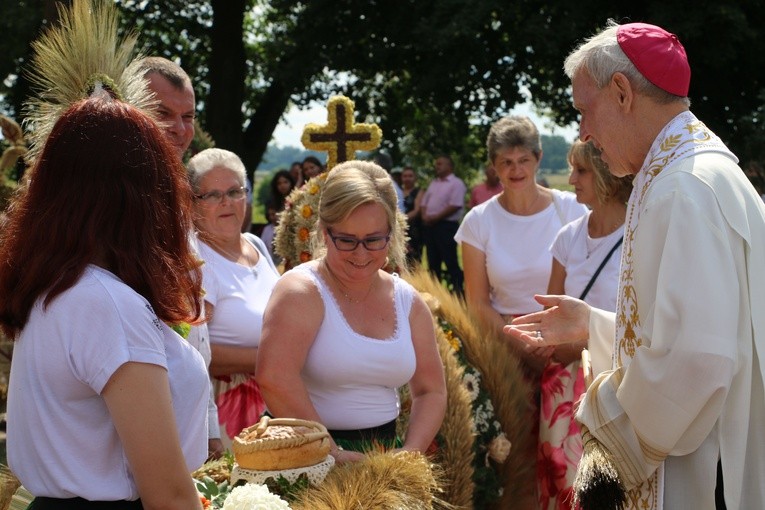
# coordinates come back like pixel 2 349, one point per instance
pixel 315 473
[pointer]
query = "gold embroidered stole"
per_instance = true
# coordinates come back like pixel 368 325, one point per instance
pixel 683 137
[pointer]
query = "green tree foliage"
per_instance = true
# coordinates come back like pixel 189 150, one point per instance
pixel 433 74
pixel 281 158
pixel 724 41
pixel 20 23
pixel 554 153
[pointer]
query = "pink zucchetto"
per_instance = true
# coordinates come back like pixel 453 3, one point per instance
pixel 658 55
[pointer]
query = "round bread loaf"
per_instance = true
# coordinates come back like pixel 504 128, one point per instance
pixel 275 444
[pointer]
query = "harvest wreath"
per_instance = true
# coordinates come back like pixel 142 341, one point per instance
pixel 340 138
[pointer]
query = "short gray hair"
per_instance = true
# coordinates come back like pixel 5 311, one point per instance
pixel 513 131
pixel 208 159
pixel 601 57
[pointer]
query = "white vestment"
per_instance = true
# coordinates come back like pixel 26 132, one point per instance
pixel 687 388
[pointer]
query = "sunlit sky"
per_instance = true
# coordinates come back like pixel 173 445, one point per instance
pixel 289 130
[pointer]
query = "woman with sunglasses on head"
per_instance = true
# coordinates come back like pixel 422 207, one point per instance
pixel 362 332
pixel 239 276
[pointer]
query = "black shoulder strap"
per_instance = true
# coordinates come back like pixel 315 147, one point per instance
pixel 600 268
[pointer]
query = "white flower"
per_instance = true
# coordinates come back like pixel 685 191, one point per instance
pixel 499 448
pixel 481 418
pixel 253 496
pixel 471 382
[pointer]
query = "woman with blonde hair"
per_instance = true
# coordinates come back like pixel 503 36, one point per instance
pixel 362 333
pixel 586 256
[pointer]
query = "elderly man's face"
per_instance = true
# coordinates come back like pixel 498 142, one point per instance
pixel 601 122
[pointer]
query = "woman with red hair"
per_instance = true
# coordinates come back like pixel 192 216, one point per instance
pixel 106 404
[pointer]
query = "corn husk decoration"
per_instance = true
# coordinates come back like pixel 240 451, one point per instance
pixel 385 481
pixel 503 380
pixel 597 485
pixel 80 56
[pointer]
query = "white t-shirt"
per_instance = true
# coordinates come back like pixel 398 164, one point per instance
pixel 199 338
pixel 581 256
pixel 238 293
pixel 267 236
pixel 61 438
pixel 352 379
pixel 517 248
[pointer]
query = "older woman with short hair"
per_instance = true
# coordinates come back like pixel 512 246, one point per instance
pixel 506 241
pixel 239 276
pixel 362 332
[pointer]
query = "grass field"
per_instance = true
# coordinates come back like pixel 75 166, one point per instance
pixel 559 181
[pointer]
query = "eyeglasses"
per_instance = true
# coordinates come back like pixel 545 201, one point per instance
pixel 216 197
pixel 373 243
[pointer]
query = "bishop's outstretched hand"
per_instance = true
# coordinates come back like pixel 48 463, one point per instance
pixel 564 320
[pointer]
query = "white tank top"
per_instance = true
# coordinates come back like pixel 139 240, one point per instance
pixel 352 379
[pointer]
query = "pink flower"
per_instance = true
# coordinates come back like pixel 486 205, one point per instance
pixel 551 472
pixel 564 410
pixel 579 386
pixel 240 407
pixel 552 383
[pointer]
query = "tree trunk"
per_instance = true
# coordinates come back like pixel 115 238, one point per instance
pixel 227 75
pixel 263 123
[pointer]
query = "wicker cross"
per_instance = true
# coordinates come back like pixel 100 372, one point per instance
pixel 340 138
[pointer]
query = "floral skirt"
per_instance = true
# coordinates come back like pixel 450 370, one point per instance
pixel 239 402
pixel 560 440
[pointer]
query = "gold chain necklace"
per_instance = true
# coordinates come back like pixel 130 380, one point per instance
pixel 344 289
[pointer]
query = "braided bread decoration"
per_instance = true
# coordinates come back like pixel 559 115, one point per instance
pixel 281 443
